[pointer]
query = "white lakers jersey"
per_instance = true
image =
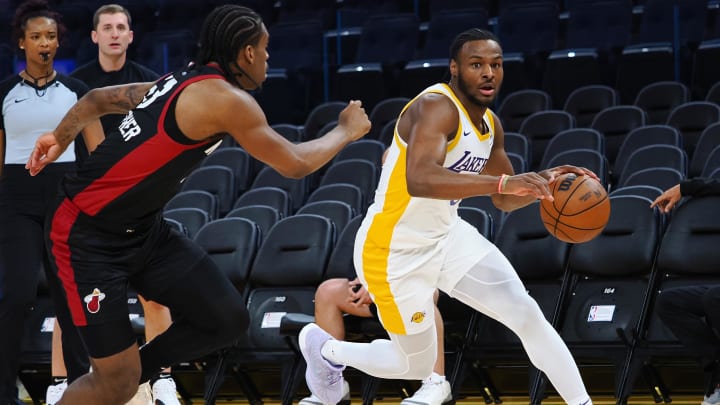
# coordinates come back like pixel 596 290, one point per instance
pixel 396 220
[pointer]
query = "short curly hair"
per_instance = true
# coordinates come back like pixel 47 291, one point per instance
pixel 32 9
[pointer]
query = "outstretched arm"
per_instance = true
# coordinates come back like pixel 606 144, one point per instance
pixel 236 112
pixel 93 105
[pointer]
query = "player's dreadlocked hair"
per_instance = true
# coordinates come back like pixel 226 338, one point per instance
pixel 227 30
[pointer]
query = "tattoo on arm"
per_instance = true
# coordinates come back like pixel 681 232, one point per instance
pixel 125 98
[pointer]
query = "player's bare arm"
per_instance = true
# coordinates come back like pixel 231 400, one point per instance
pixel 93 105
pixel 427 126
pixel 520 189
pixel 236 112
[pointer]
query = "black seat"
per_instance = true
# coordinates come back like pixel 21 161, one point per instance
pixel 215 179
pixel 194 199
pixel 649 192
pixel 687 256
pixel 287 269
pixel 518 144
pixel 642 64
pixel 177 225
pixel 540 127
pixel 585 102
pixel 232 244
pixel 658 99
pixel 522 238
pixel 368 149
pixel 709 139
pixel 691 119
pixel 615 123
pixel 658 177
pixel 609 293
pixel 528 31
pixel 347 193
pixel 192 218
pixel 713 95
pixel 319 117
pixel 712 163
pixel 387 42
pixel 574 138
pixel 359 172
pixel 297 189
pixel 519 105
pixel 646 157
pixel 485 203
pixel 643 136
pixel 274 197
pixel 385 111
pixel 237 160
pixel 338 212
pixel 264 216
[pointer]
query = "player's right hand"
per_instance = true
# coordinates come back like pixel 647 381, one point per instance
pixel 526 184
pixel 46 150
pixel 354 120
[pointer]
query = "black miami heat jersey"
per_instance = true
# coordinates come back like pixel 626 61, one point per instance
pixel 136 170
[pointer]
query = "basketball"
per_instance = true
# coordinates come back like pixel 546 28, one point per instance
pixel 580 211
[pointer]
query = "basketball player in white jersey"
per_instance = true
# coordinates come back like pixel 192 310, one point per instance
pixel 447 146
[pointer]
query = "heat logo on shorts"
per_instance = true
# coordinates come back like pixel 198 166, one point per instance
pixel 92 301
pixel 418 317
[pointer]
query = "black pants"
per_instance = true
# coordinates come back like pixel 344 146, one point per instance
pixel 97 258
pixel 24 201
pixel 692 313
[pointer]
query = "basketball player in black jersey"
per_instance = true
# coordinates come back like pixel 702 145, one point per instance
pixel 108 230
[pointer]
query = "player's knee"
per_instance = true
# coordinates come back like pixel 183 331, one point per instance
pixel 526 315
pixel 328 292
pixel 119 384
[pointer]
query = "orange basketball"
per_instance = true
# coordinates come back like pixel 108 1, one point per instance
pixel 580 211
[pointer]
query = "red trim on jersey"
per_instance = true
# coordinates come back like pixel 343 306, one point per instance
pixel 62 222
pixel 133 168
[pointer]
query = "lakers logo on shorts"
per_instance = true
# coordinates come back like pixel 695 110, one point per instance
pixel 418 317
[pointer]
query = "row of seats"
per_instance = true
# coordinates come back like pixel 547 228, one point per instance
pixel 601 303
pixel 312 63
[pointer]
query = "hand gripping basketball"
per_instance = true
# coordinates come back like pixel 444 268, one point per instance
pixel 580 209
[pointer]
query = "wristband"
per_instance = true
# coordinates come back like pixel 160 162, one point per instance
pixel 501 183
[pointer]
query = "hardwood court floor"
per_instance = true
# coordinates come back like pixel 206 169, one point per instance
pixel 513 400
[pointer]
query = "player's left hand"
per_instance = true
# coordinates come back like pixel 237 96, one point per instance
pixel 47 149
pixel 552 173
